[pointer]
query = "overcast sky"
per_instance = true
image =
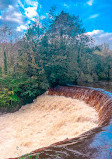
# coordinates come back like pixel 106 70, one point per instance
pixel 96 14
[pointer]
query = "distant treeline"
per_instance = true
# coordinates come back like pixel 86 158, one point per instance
pixel 53 51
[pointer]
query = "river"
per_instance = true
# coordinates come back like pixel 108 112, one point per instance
pixel 93 144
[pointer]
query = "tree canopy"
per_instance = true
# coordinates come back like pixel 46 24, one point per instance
pixel 48 54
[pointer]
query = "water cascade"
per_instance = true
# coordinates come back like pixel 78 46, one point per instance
pixel 93 144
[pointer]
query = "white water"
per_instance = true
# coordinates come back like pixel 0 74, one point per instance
pixel 48 120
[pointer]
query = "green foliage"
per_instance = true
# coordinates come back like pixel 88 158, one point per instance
pixel 31 88
pixel 0 71
pixel 8 96
pixel 57 53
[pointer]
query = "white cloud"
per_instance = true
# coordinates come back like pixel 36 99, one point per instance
pixel 10 7
pixel 31 12
pixel 21 28
pixel 94 16
pixel 66 5
pixel 101 37
pixel 14 17
pixel 90 2
pixel 105 35
pixel 5 3
pixel 32 3
pixel 42 17
pixel 19 2
pixel 95 32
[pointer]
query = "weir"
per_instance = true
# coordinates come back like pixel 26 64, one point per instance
pixel 94 144
pixel 97 98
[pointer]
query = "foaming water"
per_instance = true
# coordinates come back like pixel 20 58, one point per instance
pixel 43 123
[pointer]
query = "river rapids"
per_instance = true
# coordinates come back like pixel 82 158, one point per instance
pixel 50 119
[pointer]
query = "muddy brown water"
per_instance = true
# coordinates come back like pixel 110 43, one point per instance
pixel 44 122
pixel 93 144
